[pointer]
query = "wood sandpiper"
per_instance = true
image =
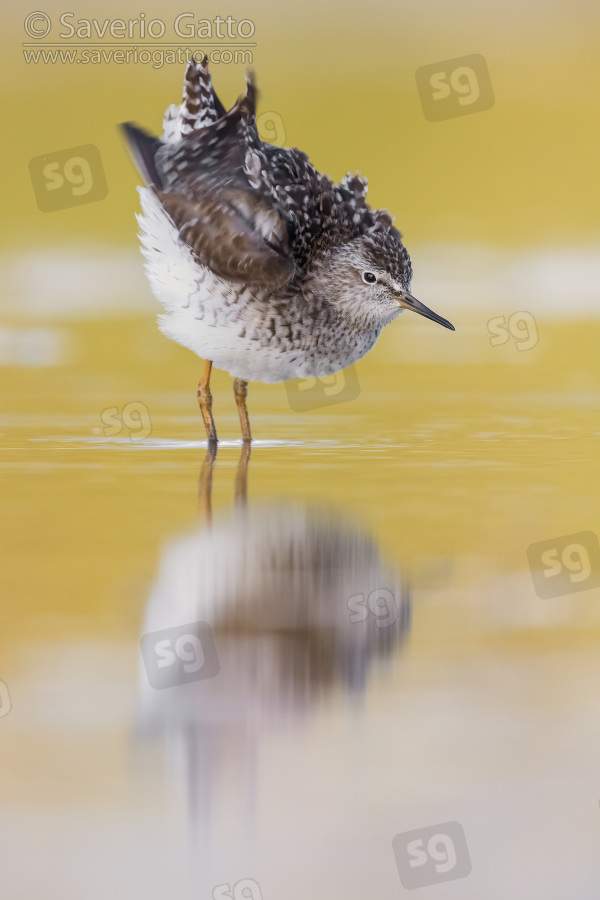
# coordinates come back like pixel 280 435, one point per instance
pixel 265 267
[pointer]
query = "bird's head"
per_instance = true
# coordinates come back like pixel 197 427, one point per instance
pixel 368 279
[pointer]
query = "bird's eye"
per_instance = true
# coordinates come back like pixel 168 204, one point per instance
pixel 369 277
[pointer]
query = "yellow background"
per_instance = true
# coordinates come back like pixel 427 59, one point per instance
pixel 456 456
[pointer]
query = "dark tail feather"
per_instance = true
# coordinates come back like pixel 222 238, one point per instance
pixel 201 106
pixel 143 149
pixel 247 103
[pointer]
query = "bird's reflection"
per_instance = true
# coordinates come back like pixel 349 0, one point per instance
pixel 299 602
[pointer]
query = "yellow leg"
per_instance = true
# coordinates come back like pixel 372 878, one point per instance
pixel 205 403
pixel 240 390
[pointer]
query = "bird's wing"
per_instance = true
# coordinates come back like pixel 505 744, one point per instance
pixel 234 233
pixel 210 186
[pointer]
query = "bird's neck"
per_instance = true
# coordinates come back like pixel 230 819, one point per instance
pixel 363 318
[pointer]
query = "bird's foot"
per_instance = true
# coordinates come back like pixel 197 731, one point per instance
pixel 205 404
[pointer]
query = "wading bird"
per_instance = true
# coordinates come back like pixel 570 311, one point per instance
pixel 265 267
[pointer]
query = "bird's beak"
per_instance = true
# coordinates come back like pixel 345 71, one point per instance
pixel 407 301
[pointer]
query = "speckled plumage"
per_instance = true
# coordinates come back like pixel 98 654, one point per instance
pixel 259 260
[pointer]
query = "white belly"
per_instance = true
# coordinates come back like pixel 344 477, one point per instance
pixel 220 321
